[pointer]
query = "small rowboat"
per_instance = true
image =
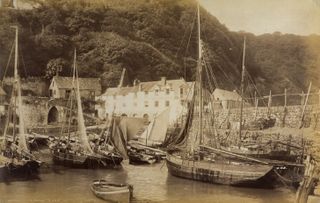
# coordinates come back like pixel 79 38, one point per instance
pixel 121 193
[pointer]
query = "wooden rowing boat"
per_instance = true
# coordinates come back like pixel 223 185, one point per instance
pixel 121 193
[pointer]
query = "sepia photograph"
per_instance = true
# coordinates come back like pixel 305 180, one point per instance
pixel 169 101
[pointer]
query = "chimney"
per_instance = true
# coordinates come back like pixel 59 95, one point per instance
pixel 136 82
pixel 163 80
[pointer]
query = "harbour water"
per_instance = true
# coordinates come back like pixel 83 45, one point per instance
pixel 152 183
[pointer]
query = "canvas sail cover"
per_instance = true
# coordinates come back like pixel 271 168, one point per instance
pixel 131 126
pixel 81 126
pixel 119 138
pixel 156 132
pixel 22 136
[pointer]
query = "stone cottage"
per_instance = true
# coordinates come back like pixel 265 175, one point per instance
pixel 61 87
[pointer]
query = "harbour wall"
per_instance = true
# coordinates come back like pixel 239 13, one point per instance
pixel 289 116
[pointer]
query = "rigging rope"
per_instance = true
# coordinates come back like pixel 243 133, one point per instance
pixel 8 63
pixel 185 54
pixel 184 34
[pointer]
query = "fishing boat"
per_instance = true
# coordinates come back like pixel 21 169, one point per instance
pixel 277 152
pixel 139 155
pixel 187 158
pixel 112 192
pixel 80 153
pixel 155 134
pixel 16 160
pixel 144 150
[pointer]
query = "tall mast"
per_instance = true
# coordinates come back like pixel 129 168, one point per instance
pixel 242 86
pixel 22 138
pixel 200 77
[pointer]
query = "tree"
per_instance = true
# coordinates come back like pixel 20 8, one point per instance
pixel 55 66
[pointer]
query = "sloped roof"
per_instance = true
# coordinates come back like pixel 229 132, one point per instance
pixel 226 95
pixel 119 91
pixel 84 83
pixel 2 92
pixel 149 86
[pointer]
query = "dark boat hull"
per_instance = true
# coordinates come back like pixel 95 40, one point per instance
pixel 85 161
pixel 258 176
pixel 136 158
pixel 20 171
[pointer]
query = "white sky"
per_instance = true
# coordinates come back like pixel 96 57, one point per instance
pixel 267 16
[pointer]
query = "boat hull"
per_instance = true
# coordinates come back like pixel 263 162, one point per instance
pixel 258 176
pixel 85 161
pixel 20 171
pixel 112 192
pixel 140 158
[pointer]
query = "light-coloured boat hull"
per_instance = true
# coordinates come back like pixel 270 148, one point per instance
pixel 245 175
pixel 112 193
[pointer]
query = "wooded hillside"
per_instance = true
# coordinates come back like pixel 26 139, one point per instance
pixel 151 39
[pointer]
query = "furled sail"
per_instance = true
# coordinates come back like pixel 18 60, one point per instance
pixel 22 135
pixel 17 86
pixel 81 124
pixel 118 138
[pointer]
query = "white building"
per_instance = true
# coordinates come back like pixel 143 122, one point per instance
pixel 227 99
pixel 146 99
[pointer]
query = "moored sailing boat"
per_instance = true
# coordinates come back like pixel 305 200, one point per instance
pixel 213 165
pixel 144 150
pixel 81 155
pixel 16 160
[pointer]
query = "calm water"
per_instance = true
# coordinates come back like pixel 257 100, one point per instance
pixel 151 183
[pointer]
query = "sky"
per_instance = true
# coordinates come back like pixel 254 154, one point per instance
pixel 300 17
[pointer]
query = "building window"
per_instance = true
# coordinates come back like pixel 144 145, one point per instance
pixel 167 91
pixel 92 94
pixel 124 105
pixel 50 93
pixel 156 92
pixel 135 104
pixel 68 93
pixel 167 103
pixel 146 104
pixel 114 97
pixel 156 103
pixel 181 91
pixel 146 93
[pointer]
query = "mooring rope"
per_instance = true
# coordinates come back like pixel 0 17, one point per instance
pixel 283 179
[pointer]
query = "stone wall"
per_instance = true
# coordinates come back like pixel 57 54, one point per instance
pixel 285 117
pixel 35 111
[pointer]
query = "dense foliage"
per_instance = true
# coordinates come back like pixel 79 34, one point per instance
pixel 151 39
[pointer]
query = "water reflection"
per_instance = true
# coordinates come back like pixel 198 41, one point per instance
pixel 151 183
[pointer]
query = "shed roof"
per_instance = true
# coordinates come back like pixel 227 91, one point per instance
pixel 84 83
pixel 226 95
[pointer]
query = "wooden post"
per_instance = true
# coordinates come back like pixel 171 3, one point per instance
pixel 285 97
pixel 285 108
pixel 309 181
pixel 269 103
pixel 256 102
pixel 302 98
pixel 304 106
pixel 319 99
